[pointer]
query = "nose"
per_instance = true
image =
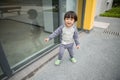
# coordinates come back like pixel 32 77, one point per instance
pixel 69 20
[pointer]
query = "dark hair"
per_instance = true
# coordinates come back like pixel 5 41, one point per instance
pixel 70 14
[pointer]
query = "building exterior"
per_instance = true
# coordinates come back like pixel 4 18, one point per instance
pixel 102 6
pixel 25 23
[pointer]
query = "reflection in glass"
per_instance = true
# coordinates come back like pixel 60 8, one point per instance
pixel 22 36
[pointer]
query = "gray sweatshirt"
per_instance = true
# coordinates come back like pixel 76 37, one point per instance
pixel 59 31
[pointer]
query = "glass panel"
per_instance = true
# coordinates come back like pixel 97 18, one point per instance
pixel 24 25
pixel 71 5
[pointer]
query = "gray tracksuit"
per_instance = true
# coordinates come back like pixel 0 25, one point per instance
pixel 69 44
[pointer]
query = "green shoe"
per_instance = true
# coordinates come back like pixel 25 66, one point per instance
pixel 57 62
pixel 73 60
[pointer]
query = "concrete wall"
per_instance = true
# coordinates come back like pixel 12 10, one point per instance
pixel 102 6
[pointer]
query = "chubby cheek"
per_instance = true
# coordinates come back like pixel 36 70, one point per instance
pixel 69 23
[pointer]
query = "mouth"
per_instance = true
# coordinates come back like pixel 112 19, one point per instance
pixel 69 23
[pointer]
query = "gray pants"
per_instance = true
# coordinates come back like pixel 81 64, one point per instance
pixel 62 48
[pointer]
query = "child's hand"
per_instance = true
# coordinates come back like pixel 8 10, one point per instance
pixel 78 46
pixel 46 39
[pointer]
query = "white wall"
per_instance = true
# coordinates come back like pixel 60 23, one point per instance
pixel 110 4
pixel 102 6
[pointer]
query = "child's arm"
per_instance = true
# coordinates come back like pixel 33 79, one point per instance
pixel 76 37
pixel 78 46
pixel 54 34
pixel 46 39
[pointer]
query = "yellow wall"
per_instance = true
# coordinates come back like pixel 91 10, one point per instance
pixel 79 12
pixel 89 14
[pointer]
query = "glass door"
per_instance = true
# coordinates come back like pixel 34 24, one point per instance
pixel 24 25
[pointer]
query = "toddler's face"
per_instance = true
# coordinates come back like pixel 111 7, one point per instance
pixel 69 22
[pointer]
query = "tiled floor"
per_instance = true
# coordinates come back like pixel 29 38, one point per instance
pixel 97 59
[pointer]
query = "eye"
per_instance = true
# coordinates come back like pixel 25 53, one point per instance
pixel 67 18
